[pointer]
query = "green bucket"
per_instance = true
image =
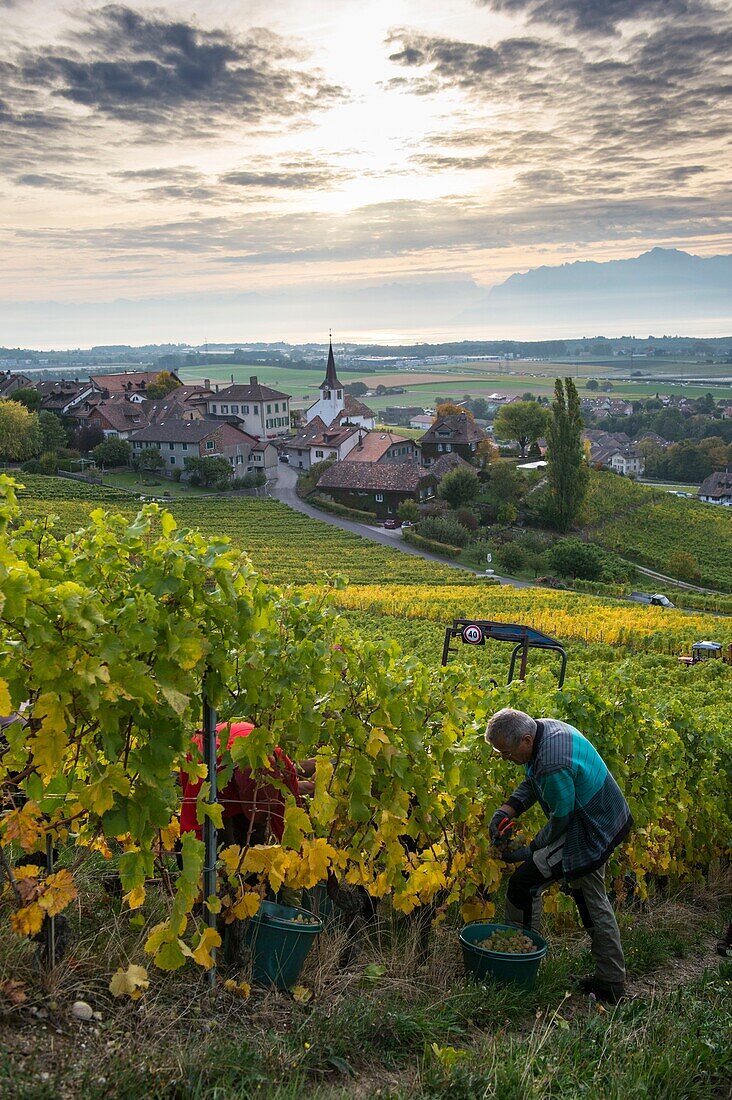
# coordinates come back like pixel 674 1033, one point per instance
pixel 502 966
pixel 279 947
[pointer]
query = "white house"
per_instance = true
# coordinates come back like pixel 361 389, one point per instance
pixel 259 410
pixel 716 489
pixel 317 442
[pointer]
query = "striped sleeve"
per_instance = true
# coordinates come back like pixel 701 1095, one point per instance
pixel 523 797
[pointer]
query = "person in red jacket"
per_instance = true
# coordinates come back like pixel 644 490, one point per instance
pixel 252 806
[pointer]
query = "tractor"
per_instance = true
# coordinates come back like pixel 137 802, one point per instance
pixel 478 631
pixel 707 651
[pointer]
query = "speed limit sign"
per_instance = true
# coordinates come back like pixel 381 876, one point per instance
pixel 472 634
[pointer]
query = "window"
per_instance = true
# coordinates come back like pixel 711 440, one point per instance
pixel 238 460
pixel 245 410
pixel 326 395
pixel 224 408
pixel 277 408
pixel 209 444
pixel 440 446
pixel 318 454
pixel 213 408
pixel 269 408
pixel 448 446
pixel 172 460
pixel 171 446
pixel 340 394
pixel 379 498
pixel 235 408
pixel 184 446
pixel 255 409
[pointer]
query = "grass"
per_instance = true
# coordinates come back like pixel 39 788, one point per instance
pixel 162 485
pixel 410 1030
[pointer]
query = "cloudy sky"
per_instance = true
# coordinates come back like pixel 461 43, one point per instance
pixel 156 154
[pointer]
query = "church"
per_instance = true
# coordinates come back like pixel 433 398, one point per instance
pixel 336 408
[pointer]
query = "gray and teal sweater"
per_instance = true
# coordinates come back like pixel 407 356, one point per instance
pixel 584 804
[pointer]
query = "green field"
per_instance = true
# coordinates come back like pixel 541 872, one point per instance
pixel 478 379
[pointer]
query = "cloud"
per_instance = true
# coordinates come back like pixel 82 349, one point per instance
pixel 158 77
pixel 56 181
pixel 601 17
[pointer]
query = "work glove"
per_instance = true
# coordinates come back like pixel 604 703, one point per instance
pixel 518 855
pixel 500 826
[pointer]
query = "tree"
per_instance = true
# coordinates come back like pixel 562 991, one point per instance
pixel 20 432
pixel 444 529
pixel 113 452
pixel 592 384
pixel 511 558
pixel 523 421
pixel 163 384
pixel 449 408
pixel 574 558
pixel 507 513
pixel 486 452
pixel 53 433
pixel 208 471
pixel 357 389
pixel 86 439
pixel 505 482
pixel 28 397
pixel 567 470
pixel 148 460
pixel 408 511
pixel 459 486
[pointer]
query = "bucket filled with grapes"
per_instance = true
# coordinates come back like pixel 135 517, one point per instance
pixel 502 952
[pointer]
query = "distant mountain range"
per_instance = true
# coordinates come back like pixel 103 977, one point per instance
pixel 664 288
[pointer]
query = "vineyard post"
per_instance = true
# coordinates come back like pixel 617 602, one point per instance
pixel 209 828
pixel 51 925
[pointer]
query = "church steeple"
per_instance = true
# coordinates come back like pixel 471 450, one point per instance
pixel 331 378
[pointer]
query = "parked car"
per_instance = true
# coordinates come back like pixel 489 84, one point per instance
pixel 392 524
pixel 659 600
pixel 284 457
pixel 407 523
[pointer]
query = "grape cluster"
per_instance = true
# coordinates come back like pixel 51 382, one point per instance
pixel 512 943
pixel 303 920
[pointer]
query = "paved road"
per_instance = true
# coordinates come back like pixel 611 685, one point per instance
pixel 284 489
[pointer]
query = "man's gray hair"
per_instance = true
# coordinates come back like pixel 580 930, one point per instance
pixel 508 726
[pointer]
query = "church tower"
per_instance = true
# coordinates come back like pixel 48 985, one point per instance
pixel 332 400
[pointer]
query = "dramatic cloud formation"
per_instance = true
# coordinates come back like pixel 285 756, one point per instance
pixel 280 144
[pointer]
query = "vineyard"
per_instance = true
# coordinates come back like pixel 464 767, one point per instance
pixel 284 545
pixel 653 532
pixel 109 625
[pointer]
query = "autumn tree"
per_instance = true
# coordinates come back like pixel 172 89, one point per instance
pixel 163 384
pixel 449 408
pixel 567 469
pixel 523 421
pixel 20 432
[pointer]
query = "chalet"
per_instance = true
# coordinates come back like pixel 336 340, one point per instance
pixel 383 447
pixel 182 403
pixel 717 488
pixel 317 442
pixel 378 487
pixel 421 421
pixel 258 410
pixel 63 396
pixel 180 439
pixel 118 417
pixel 10 382
pixel 131 384
pixel 626 460
pixel 458 434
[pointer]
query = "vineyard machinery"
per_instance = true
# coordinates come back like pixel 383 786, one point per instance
pixel 707 651
pixel 476 632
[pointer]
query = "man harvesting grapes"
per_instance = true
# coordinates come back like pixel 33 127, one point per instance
pixel 587 818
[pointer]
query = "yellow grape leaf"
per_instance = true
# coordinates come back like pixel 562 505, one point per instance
pixel 323 805
pixel 241 989
pixel 246 906
pixel 302 994
pixel 52 738
pixel 28 920
pixel 232 858
pixel 13 991
pixel 6 707
pixel 478 910
pixel 376 742
pixel 136 897
pixel 24 826
pixel 59 890
pixel 160 934
pixel 213 904
pixel 448 1056
pixel 131 982
pixel 202 952
pixel 167 524
pixel 171 955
